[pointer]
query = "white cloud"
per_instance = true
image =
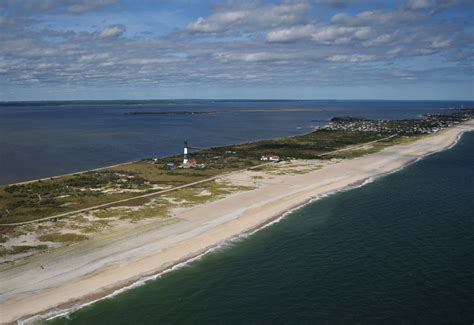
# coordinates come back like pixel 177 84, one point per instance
pixel 255 56
pixel 440 5
pixel 281 43
pixel 94 57
pixel 351 58
pixel 340 35
pixel 395 50
pixel 112 31
pixel 440 43
pixel 371 17
pixel 137 61
pixel 44 66
pixel 435 5
pixel 249 18
pixel 34 7
pixel 88 5
pixel 290 34
pixel 418 4
pixel 320 34
pixel 379 40
pixel 404 75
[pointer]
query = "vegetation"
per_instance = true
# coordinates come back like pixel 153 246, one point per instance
pixel 308 146
pixel 430 123
pixel 286 169
pixel 94 226
pixel 209 191
pixel 62 238
pixel 67 194
pixel 39 199
pixel 161 205
pixel 374 147
pixel 45 198
pixel 13 250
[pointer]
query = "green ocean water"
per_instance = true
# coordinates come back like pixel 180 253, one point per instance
pixel 398 250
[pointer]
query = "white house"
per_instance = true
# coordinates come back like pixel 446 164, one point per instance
pixel 270 158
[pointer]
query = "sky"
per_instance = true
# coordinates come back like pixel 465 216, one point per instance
pixel 290 49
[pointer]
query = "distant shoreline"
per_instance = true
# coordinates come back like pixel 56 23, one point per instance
pixel 278 110
pixel 147 252
pixel 55 102
pixel 172 113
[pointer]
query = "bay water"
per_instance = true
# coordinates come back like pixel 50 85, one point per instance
pixel 42 139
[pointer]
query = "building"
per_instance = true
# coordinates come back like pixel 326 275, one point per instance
pixel 190 162
pixel 185 153
pixel 170 166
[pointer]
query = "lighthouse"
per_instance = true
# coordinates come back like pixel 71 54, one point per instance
pixel 185 153
pixel 190 162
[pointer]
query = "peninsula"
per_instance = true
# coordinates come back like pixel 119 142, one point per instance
pixel 77 238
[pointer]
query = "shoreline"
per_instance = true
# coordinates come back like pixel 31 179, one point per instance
pixel 214 232
pixel 309 129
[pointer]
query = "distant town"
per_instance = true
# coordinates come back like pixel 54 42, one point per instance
pixel 429 123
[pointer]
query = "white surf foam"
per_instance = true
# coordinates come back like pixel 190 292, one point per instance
pixel 55 313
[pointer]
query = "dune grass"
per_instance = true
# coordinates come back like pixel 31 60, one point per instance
pixel 62 238
pixel 374 147
pixel 14 250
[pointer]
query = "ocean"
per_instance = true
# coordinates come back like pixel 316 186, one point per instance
pixel 396 250
pixel 42 139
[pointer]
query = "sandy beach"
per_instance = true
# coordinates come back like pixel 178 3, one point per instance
pixel 93 269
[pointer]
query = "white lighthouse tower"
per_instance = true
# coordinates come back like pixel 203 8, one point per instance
pixel 185 153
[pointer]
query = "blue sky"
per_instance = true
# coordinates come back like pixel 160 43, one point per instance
pixel 298 49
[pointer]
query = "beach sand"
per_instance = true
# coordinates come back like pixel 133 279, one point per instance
pixel 93 269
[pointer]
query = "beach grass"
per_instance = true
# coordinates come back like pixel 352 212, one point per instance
pixel 158 211
pixel 20 249
pixel 62 238
pixel 95 226
pixel 374 147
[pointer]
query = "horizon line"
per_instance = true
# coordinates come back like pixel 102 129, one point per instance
pixel 228 99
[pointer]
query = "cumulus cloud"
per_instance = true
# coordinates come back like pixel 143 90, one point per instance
pixel 250 17
pixel 112 31
pixel 351 58
pixel 291 34
pixel 282 43
pixel 255 56
pixel 434 5
pixel 84 6
pixel 440 43
pixel 320 34
pixel 150 61
pixel 94 57
pixel 374 17
pixel 339 35
pixel 440 5
pixel 418 4
pixel 404 75
pixel 34 7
